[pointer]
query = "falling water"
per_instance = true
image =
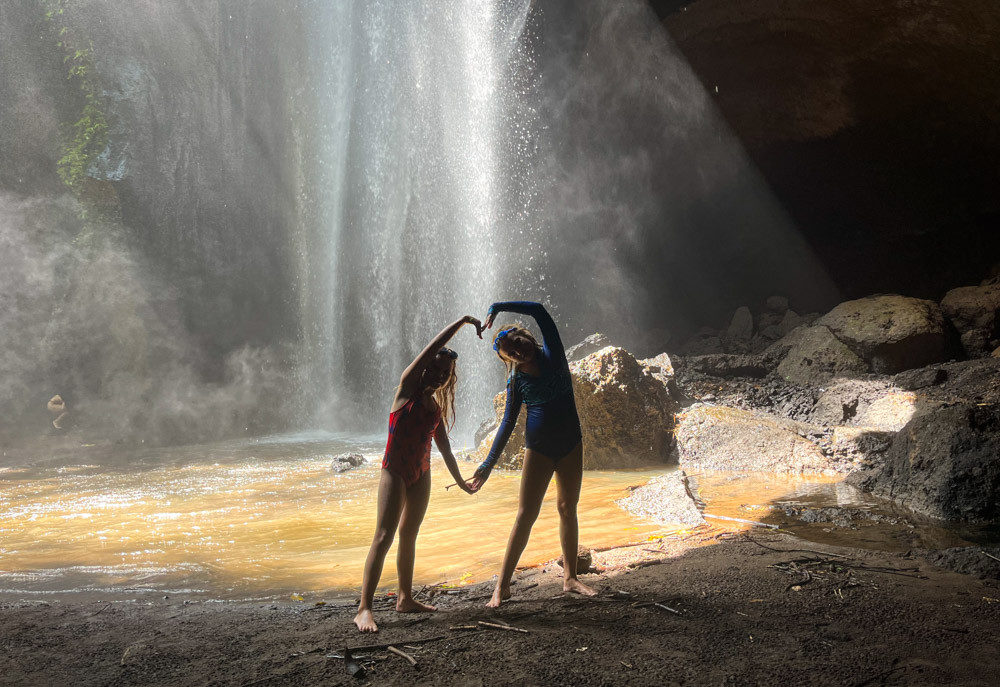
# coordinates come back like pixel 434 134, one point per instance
pixel 416 152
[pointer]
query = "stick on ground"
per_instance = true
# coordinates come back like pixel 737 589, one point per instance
pixel 402 654
pixel 498 626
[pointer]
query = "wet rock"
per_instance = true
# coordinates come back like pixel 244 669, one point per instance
pixel 723 438
pixel 591 344
pixel 816 356
pixel 841 517
pixel 975 313
pixel 891 333
pixel 346 461
pixel 584 561
pixel 626 414
pixel 944 463
pixel 969 560
pixel 776 304
pixel 741 326
pixel 664 500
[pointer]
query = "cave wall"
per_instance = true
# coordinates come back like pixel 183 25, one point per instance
pixel 877 125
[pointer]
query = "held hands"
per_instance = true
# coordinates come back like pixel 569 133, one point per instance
pixel 469 319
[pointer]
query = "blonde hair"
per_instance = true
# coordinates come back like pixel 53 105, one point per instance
pixel 445 397
pixel 520 330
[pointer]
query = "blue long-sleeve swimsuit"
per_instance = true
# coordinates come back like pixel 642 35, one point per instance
pixel 552 426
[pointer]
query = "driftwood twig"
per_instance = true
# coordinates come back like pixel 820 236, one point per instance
pixel 498 626
pixel 402 654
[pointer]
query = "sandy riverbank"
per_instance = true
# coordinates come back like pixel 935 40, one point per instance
pixel 748 615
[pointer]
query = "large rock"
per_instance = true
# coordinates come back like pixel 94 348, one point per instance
pixel 626 414
pixel 975 313
pixel 816 356
pixel 741 326
pixel 723 438
pixel 665 500
pixel 945 464
pixel 891 333
pixel 591 344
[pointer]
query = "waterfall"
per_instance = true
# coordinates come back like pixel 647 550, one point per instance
pixel 419 150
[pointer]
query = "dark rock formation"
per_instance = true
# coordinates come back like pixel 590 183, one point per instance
pixel 816 355
pixel 945 464
pixel 975 313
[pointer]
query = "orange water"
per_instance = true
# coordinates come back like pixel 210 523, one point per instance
pixel 261 519
pixel 267 518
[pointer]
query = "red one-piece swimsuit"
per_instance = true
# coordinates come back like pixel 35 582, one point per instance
pixel 408 449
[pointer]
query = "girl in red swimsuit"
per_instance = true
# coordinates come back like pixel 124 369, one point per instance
pixel 423 408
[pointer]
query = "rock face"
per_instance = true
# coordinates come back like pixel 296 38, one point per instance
pixel 891 333
pixel 945 464
pixel 723 438
pixel 817 355
pixel 626 414
pixel 346 461
pixel 975 313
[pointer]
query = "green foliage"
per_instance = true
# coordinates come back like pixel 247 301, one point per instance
pixel 88 135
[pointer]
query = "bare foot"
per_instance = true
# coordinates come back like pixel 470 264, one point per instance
pixel 500 594
pixel 365 621
pixel 409 605
pixel 577 587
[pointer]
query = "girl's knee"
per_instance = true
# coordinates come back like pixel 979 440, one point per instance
pixel 567 509
pixel 383 539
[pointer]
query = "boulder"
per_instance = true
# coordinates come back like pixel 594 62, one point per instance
pixel 664 500
pixel 659 367
pixel 741 326
pixel 584 561
pixel 845 399
pixel 995 353
pixel 626 414
pixel 591 344
pixel 346 461
pixel 816 356
pixel 790 321
pixel 723 438
pixel 776 304
pixel 944 463
pixel 975 313
pixel 891 333
pixel 726 365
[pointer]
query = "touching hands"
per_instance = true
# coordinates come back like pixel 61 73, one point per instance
pixel 489 320
pixel 469 319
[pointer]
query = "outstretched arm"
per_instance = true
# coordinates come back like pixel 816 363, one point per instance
pixel 550 334
pixel 411 375
pixel 511 411
pixel 444 446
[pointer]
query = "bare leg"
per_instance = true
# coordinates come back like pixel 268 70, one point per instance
pixel 391 495
pixel 417 497
pixel 569 476
pixel 535 477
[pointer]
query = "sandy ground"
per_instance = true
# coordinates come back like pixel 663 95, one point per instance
pixel 742 614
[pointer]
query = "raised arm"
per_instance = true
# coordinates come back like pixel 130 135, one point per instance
pixel 411 375
pixel 444 446
pixel 550 334
pixel 510 413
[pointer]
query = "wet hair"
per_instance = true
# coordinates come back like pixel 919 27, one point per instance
pixel 445 396
pixel 515 329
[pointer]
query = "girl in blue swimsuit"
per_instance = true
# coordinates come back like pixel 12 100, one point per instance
pixel 539 378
